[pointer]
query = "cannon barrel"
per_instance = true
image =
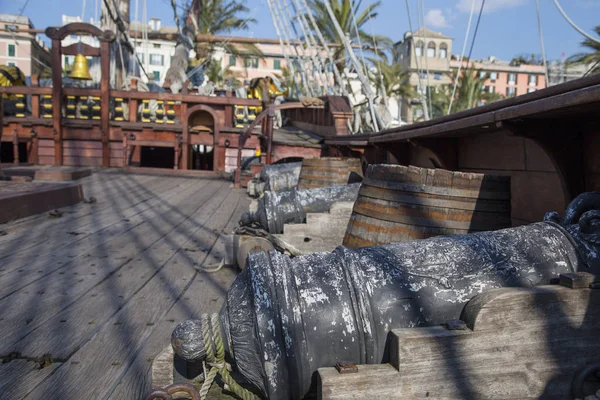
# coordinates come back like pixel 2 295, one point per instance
pixel 285 318
pixel 278 208
pixel 280 177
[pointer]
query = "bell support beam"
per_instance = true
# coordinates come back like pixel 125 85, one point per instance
pixel 105 38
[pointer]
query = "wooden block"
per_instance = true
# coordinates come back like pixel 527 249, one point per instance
pixel 577 280
pixel 371 381
pixel 346 367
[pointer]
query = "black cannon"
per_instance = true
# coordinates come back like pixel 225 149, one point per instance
pixel 278 208
pixel 285 318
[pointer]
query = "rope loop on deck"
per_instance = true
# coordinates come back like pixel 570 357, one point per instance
pixel 215 359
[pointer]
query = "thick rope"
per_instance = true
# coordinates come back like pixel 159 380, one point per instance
pixel 215 359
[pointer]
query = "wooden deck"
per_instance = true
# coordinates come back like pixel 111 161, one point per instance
pixel 87 300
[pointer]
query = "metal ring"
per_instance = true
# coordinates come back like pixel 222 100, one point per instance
pixel 580 378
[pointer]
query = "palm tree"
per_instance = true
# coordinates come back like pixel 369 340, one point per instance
pixel 220 76
pixel 469 89
pixel 207 17
pixel 592 58
pixel 440 100
pixel 345 11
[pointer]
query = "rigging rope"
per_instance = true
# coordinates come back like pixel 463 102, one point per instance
pixel 83 12
pixel 427 88
pixel 462 55
pixel 316 29
pixel 574 25
pixel 539 23
pixel 278 21
pixel 313 44
pixel 306 59
pixel 301 60
pixel 476 29
pixel 412 36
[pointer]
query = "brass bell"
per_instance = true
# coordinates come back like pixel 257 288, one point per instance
pixel 80 68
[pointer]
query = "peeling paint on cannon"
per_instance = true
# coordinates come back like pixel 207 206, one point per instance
pixel 280 177
pixel 278 208
pixel 285 318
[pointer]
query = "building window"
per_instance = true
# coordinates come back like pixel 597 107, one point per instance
pixel 512 79
pixel 156 76
pixel 423 75
pixel 511 91
pixel 140 56
pixel 11 27
pixel 156 45
pixel 482 74
pixel 491 89
pixel 419 49
pixel 493 76
pixel 437 76
pixel 530 90
pixel 157 59
pixel 533 80
pixel 276 64
pixel 251 62
pixel 12 50
pixel 232 61
pixel 443 50
pixel 11 64
pixel 431 50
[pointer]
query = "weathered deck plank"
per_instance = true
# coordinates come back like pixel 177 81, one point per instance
pixel 173 223
pixel 25 271
pixel 19 377
pixel 127 330
pixel 86 218
pixel 58 290
pixel 204 295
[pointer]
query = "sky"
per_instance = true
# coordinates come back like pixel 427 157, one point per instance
pixel 508 27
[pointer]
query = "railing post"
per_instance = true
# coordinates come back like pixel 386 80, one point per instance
pixel 183 119
pixel 35 98
pixel 269 133
pixel 176 161
pixel 16 147
pixel 133 103
pixel 57 100
pixel 105 100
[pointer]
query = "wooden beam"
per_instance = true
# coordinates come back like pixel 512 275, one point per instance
pixel 208 100
pixel 81 48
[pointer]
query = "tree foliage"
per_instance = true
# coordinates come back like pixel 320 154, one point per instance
pixel 345 11
pixel 591 58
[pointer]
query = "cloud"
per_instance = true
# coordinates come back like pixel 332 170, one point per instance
pixel 490 5
pixel 435 19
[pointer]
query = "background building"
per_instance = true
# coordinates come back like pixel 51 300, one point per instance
pixel 560 71
pixel 22 49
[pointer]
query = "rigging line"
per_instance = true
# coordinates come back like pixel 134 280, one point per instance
pixel 309 49
pixel 23 8
pixel 428 87
pixel 285 54
pixel 596 64
pixel 462 55
pixel 308 60
pixel 574 25
pixel 383 93
pixel 315 27
pixel 539 23
pixel 118 20
pixel 284 38
pixel 277 8
pixel 319 54
pixel 476 29
pixel 412 36
pixel 96 12
pixel 83 11
pixel 362 54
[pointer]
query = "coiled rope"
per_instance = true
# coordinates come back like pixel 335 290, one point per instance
pixel 215 359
